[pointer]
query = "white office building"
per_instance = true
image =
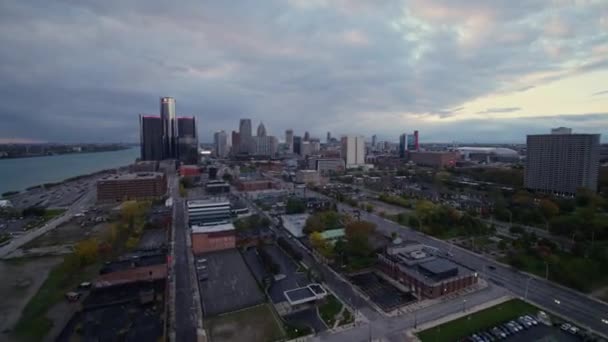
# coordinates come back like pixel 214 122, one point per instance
pixel 221 144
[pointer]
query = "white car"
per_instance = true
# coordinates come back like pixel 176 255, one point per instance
pixel 565 327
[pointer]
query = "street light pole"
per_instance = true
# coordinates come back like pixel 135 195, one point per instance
pixel 527 284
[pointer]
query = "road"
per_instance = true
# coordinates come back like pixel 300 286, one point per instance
pixel 570 304
pixel 82 203
pixel 186 315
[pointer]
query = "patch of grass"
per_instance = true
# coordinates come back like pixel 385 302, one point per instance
pixel 256 324
pixel 294 331
pixel 50 213
pixel 480 320
pixel 329 310
pixel 33 324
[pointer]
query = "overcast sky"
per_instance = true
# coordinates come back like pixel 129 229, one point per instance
pixel 469 71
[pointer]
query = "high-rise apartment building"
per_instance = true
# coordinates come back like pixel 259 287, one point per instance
pixel 220 139
pixel 169 137
pixel 245 135
pixel 150 131
pixel 289 140
pixel 561 163
pixel 353 150
pixel 261 130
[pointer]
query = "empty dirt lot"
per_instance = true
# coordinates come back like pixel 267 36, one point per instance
pixel 21 279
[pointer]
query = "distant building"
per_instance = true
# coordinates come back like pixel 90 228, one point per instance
pixel 144 166
pixel 297 145
pixel 188 150
pixel 245 135
pixel 374 140
pixel 256 185
pixel 189 171
pixel 408 142
pixel 150 131
pixel 488 154
pixel 186 126
pixel 562 163
pixel 221 144
pixel 261 130
pixel 436 159
pixel 308 177
pixel 132 186
pixel 213 238
pixel 215 187
pixel 236 142
pixel 561 130
pixel 326 165
pixel 328 139
pixel 306 136
pixel 265 145
pixel 289 140
pixel 353 150
pixel 169 127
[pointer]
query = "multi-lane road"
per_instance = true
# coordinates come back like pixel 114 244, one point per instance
pixel 570 304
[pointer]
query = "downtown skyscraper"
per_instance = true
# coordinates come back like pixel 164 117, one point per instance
pixel 168 137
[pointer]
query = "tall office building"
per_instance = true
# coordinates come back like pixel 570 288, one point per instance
pixel 187 140
pixel 220 139
pixel 265 145
pixel 328 137
pixel 261 130
pixel 289 140
pixel 246 143
pixel 297 144
pixel 150 133
pixel 186 126
pixel 374 140
pixel 353 150
pixel 306 136
pixel 408 143
pixel 561 163
pixel 236 142
pixel 169 126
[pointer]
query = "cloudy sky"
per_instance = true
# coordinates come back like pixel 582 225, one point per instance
pixel 469 71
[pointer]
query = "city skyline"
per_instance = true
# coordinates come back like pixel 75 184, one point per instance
pixel 463 71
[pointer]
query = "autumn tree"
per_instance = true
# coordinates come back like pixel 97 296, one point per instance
pixel 321 245
pixel 87 251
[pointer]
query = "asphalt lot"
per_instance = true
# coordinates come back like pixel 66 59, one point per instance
pixel 152 239
pixel 230 286
pixel 383 294
pixel 288 267
pixel 307 318
pixel 543 332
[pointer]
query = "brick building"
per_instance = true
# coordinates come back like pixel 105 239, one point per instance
pixel 132 186
pixel 436 159
pixel 427 275
pixel 213 238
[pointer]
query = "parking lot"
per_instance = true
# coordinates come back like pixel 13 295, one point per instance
pixel 229 285
pixel 382 293
pixel 538 332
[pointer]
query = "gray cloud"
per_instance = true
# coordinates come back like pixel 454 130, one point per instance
pixel 499 110
pixel 603 92
pixel 83 70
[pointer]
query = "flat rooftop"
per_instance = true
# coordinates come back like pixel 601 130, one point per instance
pixel 213 229
pixel 295 223
pixel 208 202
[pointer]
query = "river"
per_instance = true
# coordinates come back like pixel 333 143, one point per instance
pixel 21 173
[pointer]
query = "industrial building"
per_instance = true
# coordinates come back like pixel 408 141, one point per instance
pixel 562 162
pixel 326 165
pixel 209 212
pixel 132 186
pixel 213 238
pixel 426 275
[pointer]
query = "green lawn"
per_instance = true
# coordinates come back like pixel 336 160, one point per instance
pixel 329 310
pixel 33 324
pixel 256 324
pixel 480 320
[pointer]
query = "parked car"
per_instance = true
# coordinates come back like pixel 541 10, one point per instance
pixel 532 319
pixel 498 333
pixel 573 330
pixel 505 329
pixel 566 327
